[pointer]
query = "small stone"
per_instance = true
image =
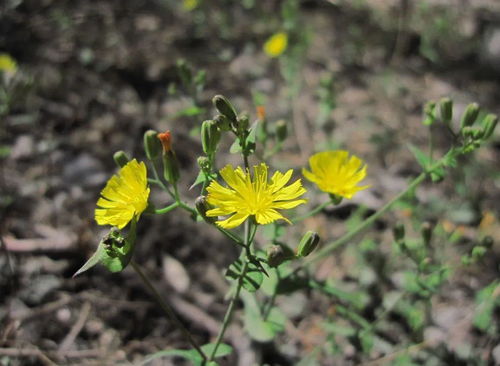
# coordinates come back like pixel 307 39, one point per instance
pixel 23 147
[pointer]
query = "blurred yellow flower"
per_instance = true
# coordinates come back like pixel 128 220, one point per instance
pixel 258 197
pixel 336 173
pixel 7 63
pixel 276 44
pixel 189 5
pixel 124 197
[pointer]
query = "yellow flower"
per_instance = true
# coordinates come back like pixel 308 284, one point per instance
pixel 276 44
pixel 124 197
pixel 7 63
pixel 337 173
pixel 258 197
pixel 189 5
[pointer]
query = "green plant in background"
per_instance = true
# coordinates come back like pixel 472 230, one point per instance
pixel 255 198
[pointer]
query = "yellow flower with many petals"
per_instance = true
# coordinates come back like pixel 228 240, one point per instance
pixel 124 197
pixel 258 197
pixel 276 44
pixel 336 172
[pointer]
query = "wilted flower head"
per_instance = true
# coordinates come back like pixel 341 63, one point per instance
pixel 166 141
pixel 124 197
pixel 336 173
pixel 276 44
pixel 245 197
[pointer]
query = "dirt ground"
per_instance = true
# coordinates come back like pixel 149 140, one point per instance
pixel 98 74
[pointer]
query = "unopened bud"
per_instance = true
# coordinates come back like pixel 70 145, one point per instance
pixel 202 207
pixel 243 122
pixel 489 124
pixel 224 107
pixel 470 115
pixel 204 164
pixel 399 232
pixel 210 136
pixel 277 254
pixel 307 244
pixel 281 130
pixel 121 159
pixel 223 122
pixel 446 108
pixel 170 164
pixel 166 141
pixel 152 144
pixel 467 131
pixel 430 113
pixel 426 231
pixel 477 133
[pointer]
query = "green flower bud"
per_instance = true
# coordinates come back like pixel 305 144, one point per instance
pixel 275 255
pixel 210 136
pixel 307 244
pixel 426 231
pixel 152 144
pixel 470 115
pixel 243 122
pixel 224 107
pixel 430 113
pixel 446 108
pixel 477 133
pixel 121 159
pixel 223 122
pixel 281 130
pixel 171 171
pixel 467 131
pixel 399 232
pixel 204 164
pixel 202 206
pixel 489 124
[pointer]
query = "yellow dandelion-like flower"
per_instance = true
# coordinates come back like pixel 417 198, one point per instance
pixel 124 197
pixel 276 44
pixel 337 173
pixel 245 197
pixel 7 63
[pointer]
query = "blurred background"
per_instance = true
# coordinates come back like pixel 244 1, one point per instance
pixel 83 79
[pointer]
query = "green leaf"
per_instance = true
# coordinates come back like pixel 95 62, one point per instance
pixel 190 112
pixel 222 350
pixel 253 276
pixel 93 260
pixel 259 329
pixel 235 147
pixel 486 301
pixel 422 158
pixel 202 177
pixel 366 339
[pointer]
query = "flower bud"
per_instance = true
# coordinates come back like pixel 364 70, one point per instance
pixel 202 207
pixel 307 244
pixel 489 124
pixel 210 136
pixel 426 231
pixel 446 108
pixel 204 164
pixel 223 122
pixel 281 130
pixel 399 232
pixel 243 122
pixel 467 131
pixel 170 163
pixel 224 107
pixel 261 112
pixel 152 145
pixel 277 254
pixel 121 159
pixel 430 113
pixel 477 133
pixel 470 115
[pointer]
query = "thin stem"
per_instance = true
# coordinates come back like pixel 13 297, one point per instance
pixel 169 208
pixel 182 204
pixel 236 295
pixel 361 227
pixel 159 181
pixel 231 236
pixel 167 309
pixel 313 212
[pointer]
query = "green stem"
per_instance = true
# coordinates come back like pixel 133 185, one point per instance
pixel 167 309
pixel 364 225
pixel 231 236
pixel 313 212
pixel 159 181
pixel 169 208
pixel 182 204
pixel 232 304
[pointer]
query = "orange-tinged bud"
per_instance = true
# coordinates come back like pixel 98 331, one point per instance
pixel 166 141
pixel 261 112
